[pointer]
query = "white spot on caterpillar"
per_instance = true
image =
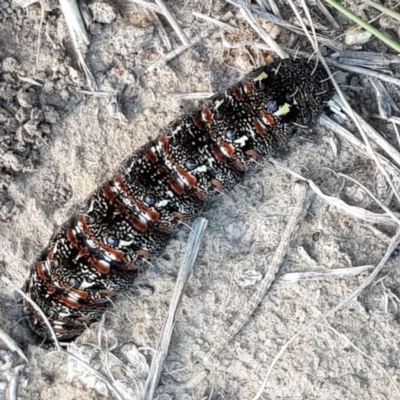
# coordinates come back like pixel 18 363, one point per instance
pixel 242 141
pixel 90 207
pixel 218 103
pixel 283 110
pixel 162 203
pixel 125 242
pixel 202 168
pixel 261 77
pixel 84 284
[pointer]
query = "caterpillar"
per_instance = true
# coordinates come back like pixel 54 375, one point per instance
pixel 128 220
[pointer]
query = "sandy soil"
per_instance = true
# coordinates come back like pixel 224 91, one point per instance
pixel 57 144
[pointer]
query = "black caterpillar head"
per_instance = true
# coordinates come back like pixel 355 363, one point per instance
pixel 292 90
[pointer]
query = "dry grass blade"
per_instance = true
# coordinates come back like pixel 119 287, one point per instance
pixel 374 135
pixel 173 22
pixel 338 273
pixel 55 340
pixel 163 32
pixel 387 11
pixel 78 33
pixel 195 238
pixel 350 138
pixel 383 206
pixel 300 191
pixel 348 108
pixel 392 246
pixel 37 308
pixel 175 53
pixel 220 24
pixel 274 7
pixel 12 345
pixel 245 12
pixel 192 96
pixel 355 212
pixel 367 72
pixel 146 4
pixel 366 58
pixel 327 14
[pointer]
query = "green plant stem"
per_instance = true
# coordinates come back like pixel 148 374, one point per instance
pixel 381 36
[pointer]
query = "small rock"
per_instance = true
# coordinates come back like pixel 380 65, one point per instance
pixel 10 64
pixel 354 37
pixel 102 12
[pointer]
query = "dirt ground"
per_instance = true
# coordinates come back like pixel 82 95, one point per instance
pixel 58 142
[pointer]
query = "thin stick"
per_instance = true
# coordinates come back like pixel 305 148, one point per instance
pixel 157 364
pixel 12 345
pixel 387 11
pixel 327 14
pixel 40 32
pixel 244 10
pixel 173 22
pixel 94 372
pixel 365 71
pixel 356 212
pixel 392 247
pixel 13 384
pixel 350 138
pixel 376 137
pixel 221 24
pixel 175 53
pixel 78 33
pixel 146 4
pixel 162 31
pixel 382 205
pixel 37 308
pixel 300 191
pixel 191 96
pixel 338 273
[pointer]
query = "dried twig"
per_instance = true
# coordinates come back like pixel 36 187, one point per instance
pixel 162 31
pixel 338 273
pixel 366 71
pixel 146 4
pixel 300 191
pixel 39 40
pixel 191 96
pixel 157 364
